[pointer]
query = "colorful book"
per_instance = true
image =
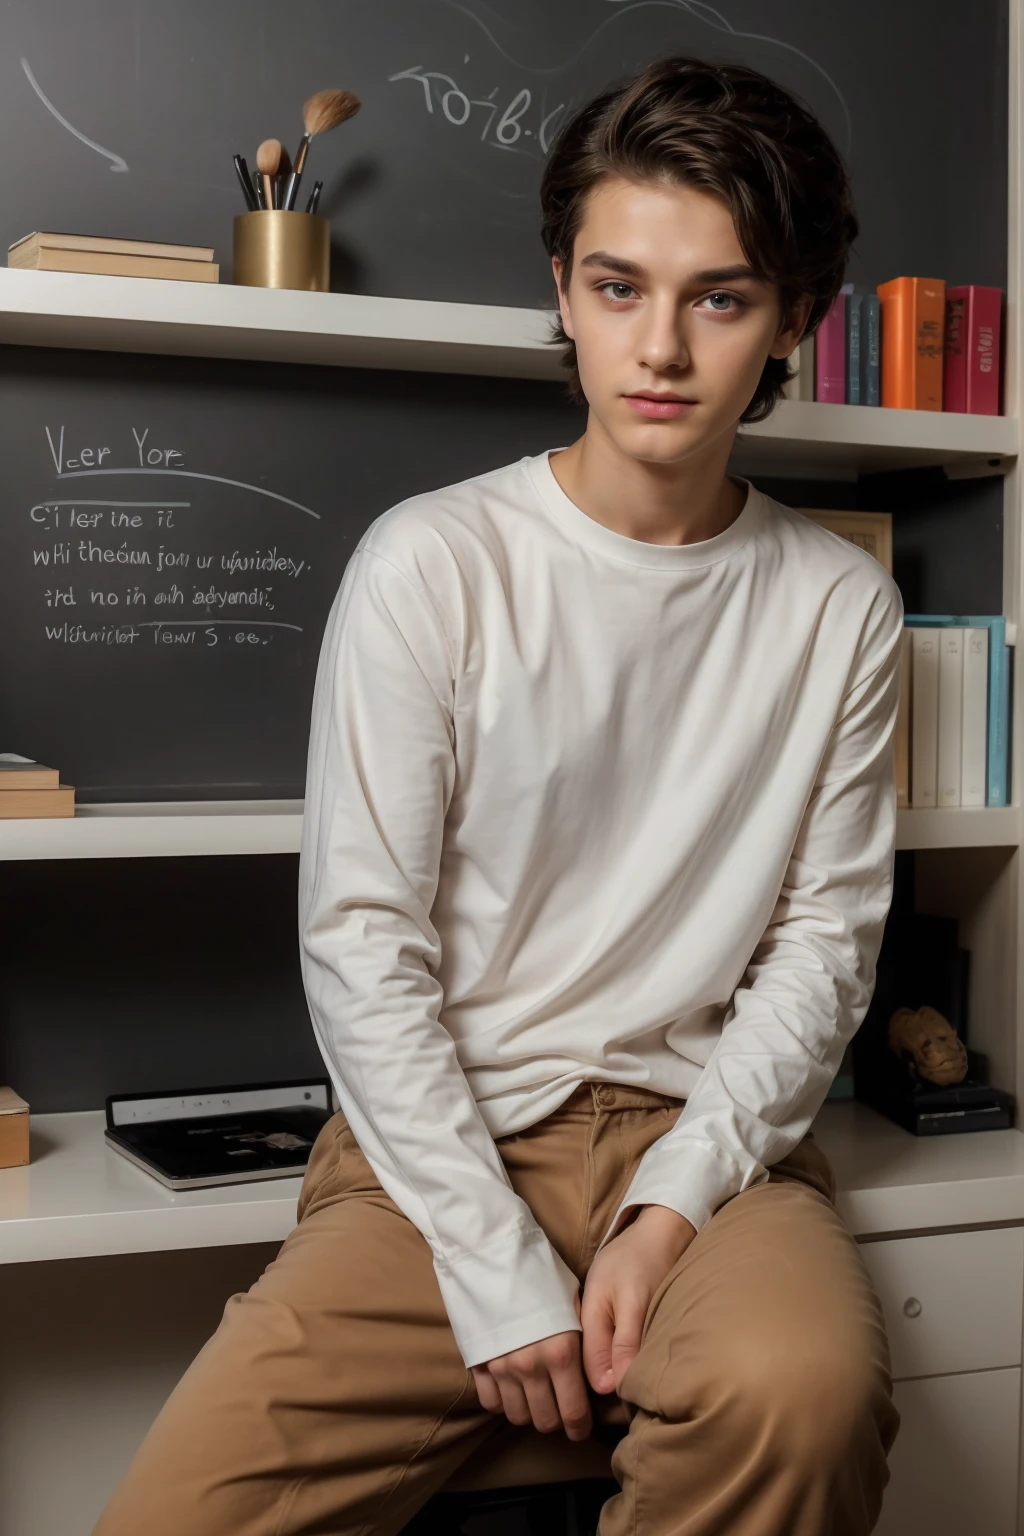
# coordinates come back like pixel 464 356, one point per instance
pixel 107 244
pixel 801 385
pixel 830 354
pixel 973 359
pixel 871 350
pixel 854 309
pixel 974 750
pixel 17 772
pixel 903 715
pixel 998 767
pixel 924 730
pixel 18 803
pixel 913 335
pixel 102 263
pixel 951 693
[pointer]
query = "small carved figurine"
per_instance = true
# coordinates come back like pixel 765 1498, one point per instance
pixel 939 1054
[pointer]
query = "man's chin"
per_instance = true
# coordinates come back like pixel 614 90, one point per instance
pixel 664 442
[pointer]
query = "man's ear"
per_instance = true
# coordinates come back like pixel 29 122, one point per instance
pixel 563 303
pixel 791 330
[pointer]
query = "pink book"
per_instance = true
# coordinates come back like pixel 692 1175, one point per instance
pixel 830 354
pixel 973 348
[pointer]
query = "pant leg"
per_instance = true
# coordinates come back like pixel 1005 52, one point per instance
pixel 762 1390
pixel 331 1399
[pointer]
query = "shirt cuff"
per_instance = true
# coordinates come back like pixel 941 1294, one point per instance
pixel 510 1294
pixel 691 1178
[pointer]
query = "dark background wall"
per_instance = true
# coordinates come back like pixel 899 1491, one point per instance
pixel 118 975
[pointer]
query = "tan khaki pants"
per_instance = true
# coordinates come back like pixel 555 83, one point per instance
pixel 332 1400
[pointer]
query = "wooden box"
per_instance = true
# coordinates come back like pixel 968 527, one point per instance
pixel 13 1129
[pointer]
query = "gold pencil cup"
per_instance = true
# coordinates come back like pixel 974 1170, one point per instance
pixel 275 248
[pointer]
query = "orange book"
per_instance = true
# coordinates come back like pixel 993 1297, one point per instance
pixel 913 328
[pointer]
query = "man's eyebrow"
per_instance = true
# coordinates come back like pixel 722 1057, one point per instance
pixel 634 269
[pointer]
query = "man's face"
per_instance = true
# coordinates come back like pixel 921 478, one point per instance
pixel 656 304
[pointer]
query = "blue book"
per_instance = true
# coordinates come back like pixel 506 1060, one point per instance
pixel 871 350
pixel 853 343
pixel 998 746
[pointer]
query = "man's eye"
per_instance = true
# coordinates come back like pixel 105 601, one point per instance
pixel 613 284
pixel 730 297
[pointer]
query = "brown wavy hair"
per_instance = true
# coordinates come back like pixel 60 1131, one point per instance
pixel 726 130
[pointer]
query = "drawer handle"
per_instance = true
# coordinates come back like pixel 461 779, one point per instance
pixel 912 1307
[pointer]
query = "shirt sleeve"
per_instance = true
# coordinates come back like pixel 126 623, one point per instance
pixel 379 779
pixel 810 979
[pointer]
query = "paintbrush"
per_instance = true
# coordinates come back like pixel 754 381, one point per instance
pixel 323 111
pixel 284 170
pixel 268 163
pixel 244 182
pixel 314 197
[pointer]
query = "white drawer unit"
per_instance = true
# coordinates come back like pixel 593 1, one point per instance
pixel 954 1463
pixel 951 1302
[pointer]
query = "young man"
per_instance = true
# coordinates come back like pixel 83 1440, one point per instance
pixel 597 853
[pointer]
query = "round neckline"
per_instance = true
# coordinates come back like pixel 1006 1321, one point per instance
pixel 618 546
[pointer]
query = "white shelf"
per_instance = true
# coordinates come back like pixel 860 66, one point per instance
pixel 198 827
pixel 890 1181
pixel 848 440
pixel 78 1198
pixel 963 827
pixel 144 314
pixel 138 314
pixel 156 830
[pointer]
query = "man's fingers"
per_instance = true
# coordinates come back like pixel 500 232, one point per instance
pixel 486 1389
pixel 629 1325
pixel 543 1385
pixel 598 1334
pixel 513 1400
pixel 571 1396
pixel 540 1395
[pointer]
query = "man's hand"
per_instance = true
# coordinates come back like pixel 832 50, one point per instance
pixel 544 1383
pixel 619 1287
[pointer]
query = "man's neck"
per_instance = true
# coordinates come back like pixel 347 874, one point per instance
pixel 681 503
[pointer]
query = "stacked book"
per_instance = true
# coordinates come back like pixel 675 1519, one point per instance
pixel 28 788
pixel 912 343
pixel 114 258
pixel 953 726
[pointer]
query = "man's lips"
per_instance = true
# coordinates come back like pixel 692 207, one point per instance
pixel 661 407
pixel 653 394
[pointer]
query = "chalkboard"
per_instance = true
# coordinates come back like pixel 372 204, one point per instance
pixel 174 534
pixel 121 117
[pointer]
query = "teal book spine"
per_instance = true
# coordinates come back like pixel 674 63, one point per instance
pixel 854 303
pixel 998 746
pixel 871 350
pixel 997 792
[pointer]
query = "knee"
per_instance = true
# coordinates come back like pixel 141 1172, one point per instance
pixel 820 1402
pixel 828 1400
pixel 811 1397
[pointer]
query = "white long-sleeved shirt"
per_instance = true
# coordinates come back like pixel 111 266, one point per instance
pixel 583 807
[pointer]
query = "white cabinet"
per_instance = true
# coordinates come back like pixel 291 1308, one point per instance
pixel 953 1308
pixel 954 1464
pixel 952 1302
